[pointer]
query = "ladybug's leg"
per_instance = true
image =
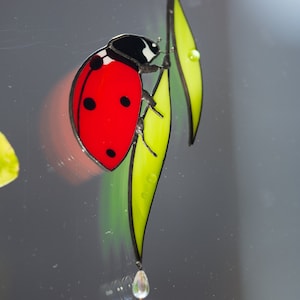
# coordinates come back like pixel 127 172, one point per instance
pixel 140 131
pixel 153 68
pixel 147 68
pixel 150 101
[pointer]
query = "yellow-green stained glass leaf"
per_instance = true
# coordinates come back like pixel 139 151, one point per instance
pixel 188 63
pixel 9 163
pixel 145 167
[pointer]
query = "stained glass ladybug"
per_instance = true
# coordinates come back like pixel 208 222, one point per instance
pixel 105 99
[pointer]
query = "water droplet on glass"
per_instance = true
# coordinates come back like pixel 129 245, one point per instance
pixel 194 55
pixel 140 285
pixel 152 178
pixel 145 195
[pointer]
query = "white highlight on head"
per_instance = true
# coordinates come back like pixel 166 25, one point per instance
pixel 147 52
pixel 106 59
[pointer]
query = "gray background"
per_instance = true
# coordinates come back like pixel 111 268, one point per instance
pixel 225 221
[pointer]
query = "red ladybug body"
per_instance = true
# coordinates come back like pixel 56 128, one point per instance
pixel 105 100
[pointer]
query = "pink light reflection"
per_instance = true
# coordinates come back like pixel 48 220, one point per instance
pixel 61 148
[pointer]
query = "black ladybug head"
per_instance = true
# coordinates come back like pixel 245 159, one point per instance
pixel 139 49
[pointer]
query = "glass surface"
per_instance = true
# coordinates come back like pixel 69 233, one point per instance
pixel 225 219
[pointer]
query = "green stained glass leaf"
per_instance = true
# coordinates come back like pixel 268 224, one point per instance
pixel 188 63
pixel 9 163
pixel 145 167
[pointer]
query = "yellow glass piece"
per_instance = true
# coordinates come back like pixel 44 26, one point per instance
pixel 188 62
pixel 9 164
pixel 146 167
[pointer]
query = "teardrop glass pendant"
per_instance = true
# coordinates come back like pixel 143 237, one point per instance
pixel 140 285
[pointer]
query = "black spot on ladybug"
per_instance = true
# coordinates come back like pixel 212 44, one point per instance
pixel 89 103
pixel 96 62
pixel 125 101
pixel 111 153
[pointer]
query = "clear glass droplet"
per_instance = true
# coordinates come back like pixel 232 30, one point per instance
pixel 140 285
pixel 194 55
